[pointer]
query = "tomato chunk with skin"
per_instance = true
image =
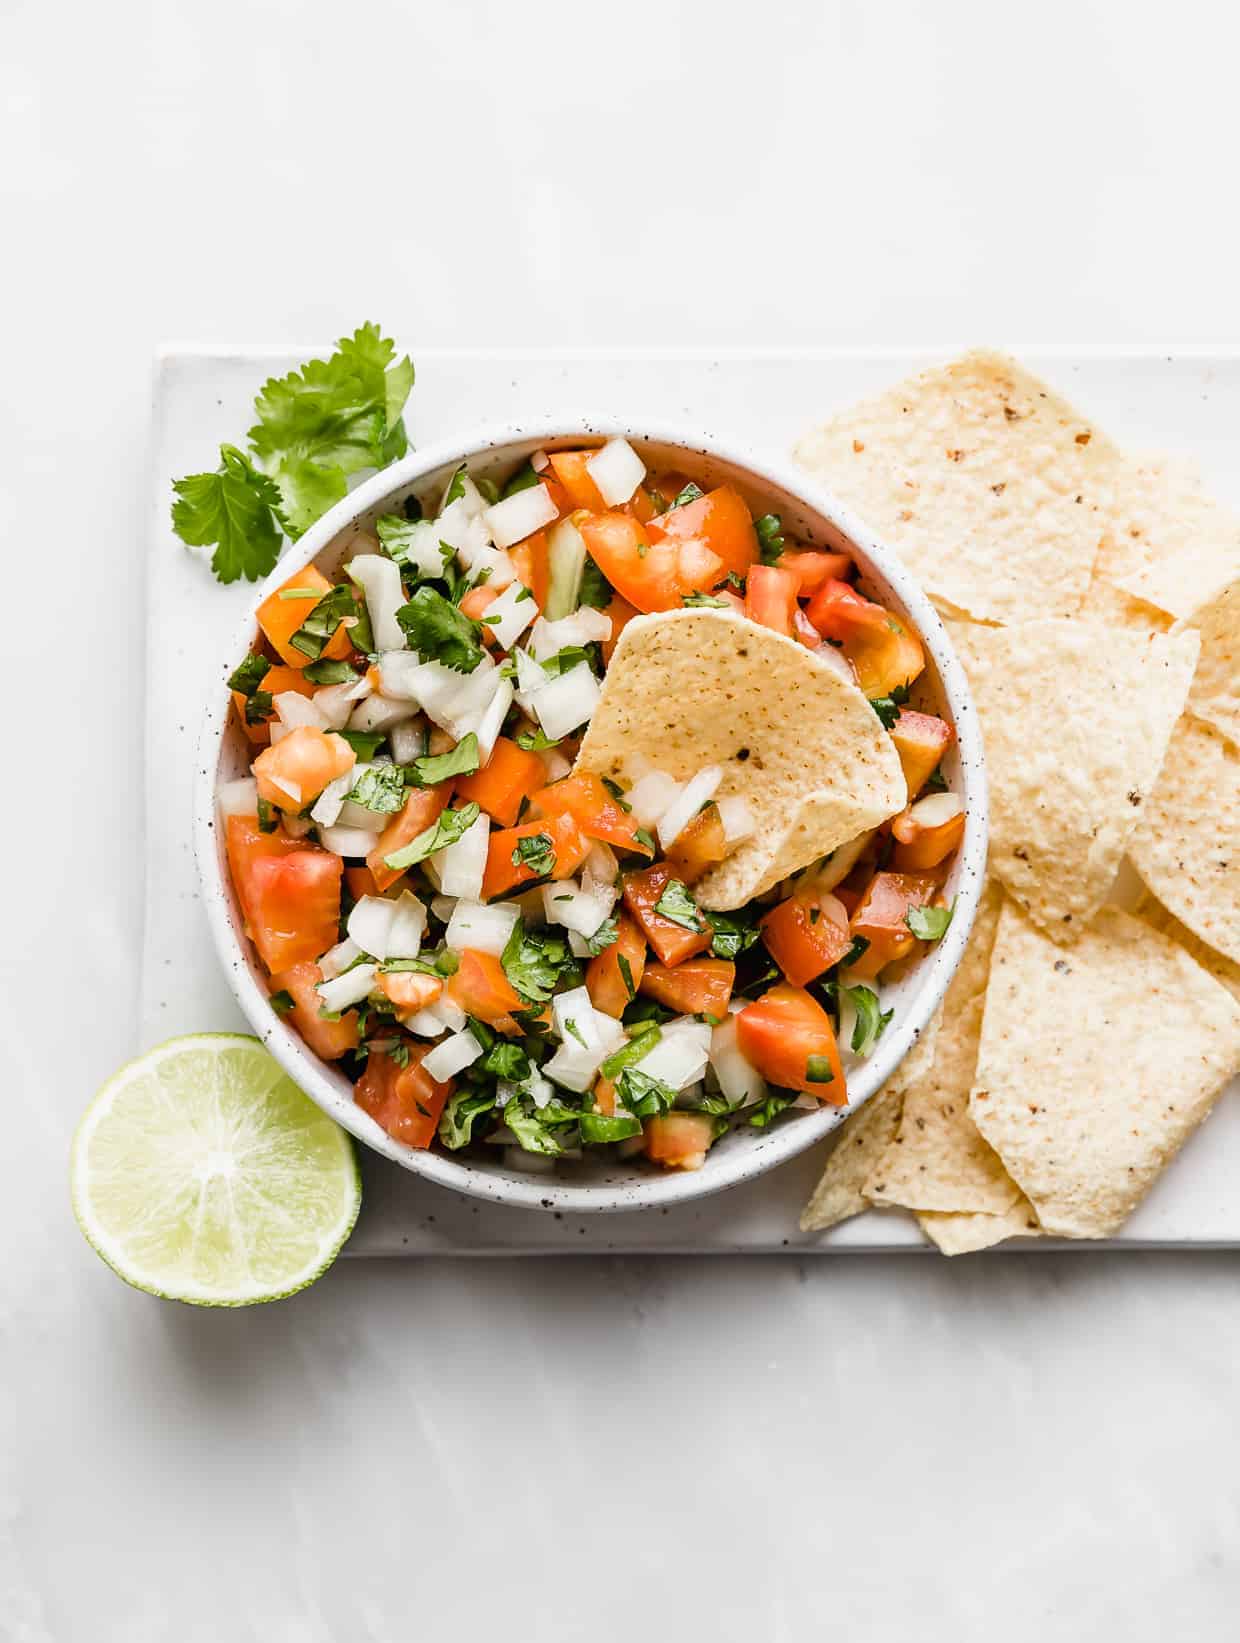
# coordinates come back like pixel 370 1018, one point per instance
pixel 599 816
pixel 328 1039
pixel 475 605
pixel 885 653
pixel 569 847
pixel 880 919
pixel 699 846
pixel 813 568
pixel 422 808
pixel 671 941
pixel 293 906
pixel 246 845
pixel 531 560
pixel 927 833
pixel 410 990
pixel 720 520
pixel 699 986
pixel 609 988
pixel 482 989
pixel 786 1035
pixel 802 936
pixel 649 575
pixel 574 478
pixel 295 771
pixel 678 1140
pixel 275 682
pixel 921 741
pixel 510 775
pixel 280 618
pixel 771 598
pixel 405 1101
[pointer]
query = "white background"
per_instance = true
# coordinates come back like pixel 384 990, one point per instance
pixel 1027 1446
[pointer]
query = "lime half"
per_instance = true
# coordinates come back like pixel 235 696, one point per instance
pixel 200 1172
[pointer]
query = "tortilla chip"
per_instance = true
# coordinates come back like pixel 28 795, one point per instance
pixel 1215 696
pixel 1159 507
pixel 1187 847
pixel 1096 1064
pixel 989 486
pixel 1222 969
pixel 938 1161
pixel 862 1138
pixel 1183 582
pixel 698 687
pixel 965 1234
pixel 1075 719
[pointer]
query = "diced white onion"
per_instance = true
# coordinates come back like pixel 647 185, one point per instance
pixel 540 461
pixel 582 907
pixel 239 798
pixel 336 702
pixel 499 568
pixel 587 1038
pixel 681 1055
pixel 363 819
pixel 295 710
pixel 840 863
pixel 935 809
pixel 346 841
pixel 566 702
pixel 651 795
pixel 515 517
pixel 443 907
pixel 617 470
pixel 369 923
pixel 737 818
pixel 422 550
pixel 740 1082
pixel 378 713
pixel 695 793
pixel 349 988
pixel 407 740
pixel 407 928
pixel 578 946
pixel 601 863
pixel 507 617
pixel 379 579
pixel 398 672
pixel 492 721
pixel 456 1053
pixel 464 531
pixel 583 627
pixel 480 927
pixel 461 865
pixel 338 958
pixel 327 807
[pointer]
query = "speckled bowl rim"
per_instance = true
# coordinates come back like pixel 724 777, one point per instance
pixel 743 1156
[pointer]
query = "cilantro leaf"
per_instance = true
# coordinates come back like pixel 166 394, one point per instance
pixel 871 1021
pixel 381 788
pixel 535 741
pixel 695 599
pixel 773 1105
pixel 235 511
pixel 327 672
pixel 888 707
pixel 731 934
pixel 433 768
pixel 690 493
pixel 365 743
pixel 537 852
pixel 638 1046
pixel 530 1128
pixel 595 589
pixel 678 905
pixel 316 632
pixel 534 962
pixel 440 631
pixel 249 675
pixel 598 1128
pixel 770 537
pixel 461 1113
pixel 507 1060
pixel 607 934
pixel 524 479
pixel 929 923
pixel 282 1001
pixel 643 1096
pixel 936 782
pixel 259 707
pixel 446 829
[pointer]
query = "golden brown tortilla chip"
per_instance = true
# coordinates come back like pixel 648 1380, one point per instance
pixel 691 688
pixel 938 1161
pixel 1075 720
pixel 965 1234
pixel 1096 1064
pixel 989 486
pixel 861 1140
pixel 1187 847
pixel 1222 969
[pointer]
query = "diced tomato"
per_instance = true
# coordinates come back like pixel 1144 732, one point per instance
pixel 699 986
pixel 671 941
pixel 641 506
pixel 771 598
pixel 883 650
pixel 802 936
pixel 668 486
pixel 509 775
pixel 679 1140
pixel 812 569
pixel 275 682
pixel 699 846
pixel 475 605
pixel 422 807
pixel 649 575
pixel 720 520
pixel 328 1039
pixel 360 881
pixel 292 905
pixel 921 741
pixel 569 846
pixel 482 989
pixel 410 990
pixel 922 841
pixel 247 845
pixel 569 468
pixel 605 1096
pixel 598 815
pixel 805 631
pixel 880 918
pixel 621 613
pixel 405 1101
pixel 783 1033
pixel 609 989
pixel 533 566
pixel 306 759
pixel 280 618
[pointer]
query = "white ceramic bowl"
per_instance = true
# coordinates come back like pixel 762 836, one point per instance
pixel 812 516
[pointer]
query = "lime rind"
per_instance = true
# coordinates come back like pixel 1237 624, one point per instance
pixel 201 1173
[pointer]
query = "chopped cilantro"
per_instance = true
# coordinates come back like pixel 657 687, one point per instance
pixel 234 510
pixel 448 827
pixel 936 782
pixel 282 1002
pixel 531 1129
pixel 598 1128
pixel 258 707
pixel 534 962
pixel 643 1096
pixel 524 479
pixel 860 945
pixel 506 1060
pixel 626 975
pixel 570 1026
pixel 534 741
pixel 267 818
pixel 768 1109
pixel 818 1070
pixel 929 923
pixel 249 675
pixel 638 1046
pixel 327 672
pixel 440 631
pixel 770 537
pixel 460 1114
pixel 537 852
pixel 731 934
pixel 605 936
pixel 433 768
pixel 595 589
pixel 871 1021
pixel 456 487
pixel 398 1051
pixel 679 906
pixel 380 788
pixel 365 743
pixel 690 493
pixel 888 707
pixel 337 604
pixel 645 838
pixel 695 599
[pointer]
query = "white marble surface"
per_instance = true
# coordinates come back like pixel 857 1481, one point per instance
pixel 1026 1446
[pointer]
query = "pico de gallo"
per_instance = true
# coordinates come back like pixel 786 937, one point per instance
pixel 502 951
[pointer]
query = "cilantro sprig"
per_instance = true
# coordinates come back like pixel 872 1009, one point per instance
pixel 440 631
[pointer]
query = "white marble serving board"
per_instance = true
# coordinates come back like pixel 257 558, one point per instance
pixel 1185 401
